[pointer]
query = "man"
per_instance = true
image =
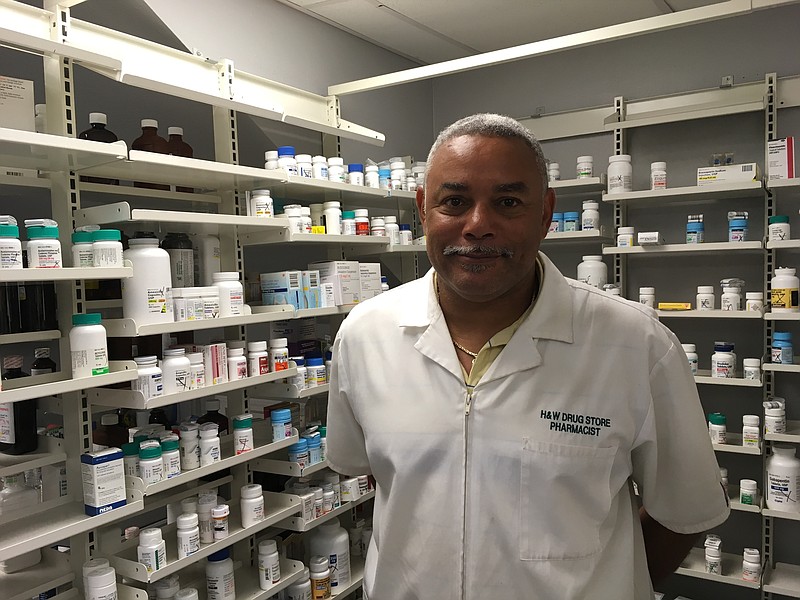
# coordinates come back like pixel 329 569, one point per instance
pixel 505 411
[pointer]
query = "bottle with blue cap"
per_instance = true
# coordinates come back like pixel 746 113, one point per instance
pixel 355 174
pixel 314 445
pixel 316 372
pixel 572 221
pixel 298 453
pixel 10 246
pixel 281 419
pixel 286 160
pixel 220 583
pixel 782 351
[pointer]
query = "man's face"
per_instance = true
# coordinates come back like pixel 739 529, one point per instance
pixel 484 215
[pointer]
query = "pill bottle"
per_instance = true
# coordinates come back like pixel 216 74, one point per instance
pixel 378 226
pixel 782 479
pixel 778 229
pixel 717 427
pixel 316 372
pixel 88 346
pixel 691 356
pixel 269 565
pixel 171 456
pixel 92 565
pixel 295 216
pixel 281 419
pixel 398 170
pixel 220 582
pixel 271 160
pixel 590 218
pixel 384 178
pixel 252 504
pixel 695 233
pixel 781 350
pixel 10 246
pixel 363 484
pixel 723 478
pixel 219 521
pixel 149 377
pixel 319 167
pixel 320 578
pixel 751 565
pixel 187 594
pixel 336 169
pixel 101 584
pixel 355 174
pixel 82 250
pixel 181 258
pixel 647 296
pixel 188 535
pixel 301 589
pixel 723 361
pixel 584 167
pixel 286 160
pixel 625 237
pixel 737 230
pixel 348 222
pixel 593 271
pixel 147 295
pixel 152 550
pixel 257 358
pixel 752 368
pixel 331 539
pixel 392 229
pixel 107 248
pixel 713 561
pixel 243 433
pixel 620 174
pixel 261 204
pixel 197 371
pixel 751 431
pixel 748 492
pixel 209 444
pixel 774 417
pixel 350 490
pixel 332 215
pixel 731 299
pixel 190 446
pixel 44 249
pixel 658 176
pixel 205 504
pixel 371 177
pixel 317 491
pixel 705 297
pixel 553 172
pixel 406 237
pixel 237 364
pixel 278 354
pixel 298 380
pixel 176 370
pixel 754 301
pixel 167 588
pixel 130 459
pixel 557 222
pixel 572 221
pixel 151 465
pixel 305 219
pixel 314 445
pixel 231 293
pixel 304 168
pixel 362 221
pixel 784 291
pixel 298 453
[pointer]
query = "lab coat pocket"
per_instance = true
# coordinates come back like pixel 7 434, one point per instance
pixel 565 496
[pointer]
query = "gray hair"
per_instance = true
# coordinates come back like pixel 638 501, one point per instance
pixel 492 125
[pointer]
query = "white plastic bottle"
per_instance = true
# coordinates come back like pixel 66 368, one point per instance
pixel 269 565
pixel 171 456
pixel 167 588
pixel 147 296
pixel 751 431
pixel 392 229
pixel 205 504
pixel 331 540
pixel 332 213
pixel 44 249
pixel 231 293
pixel 149 378
pixel 301 589
pixel 190 446
pixel 187 594
pixel 88 346
pixel 691 355
pixel 237 364
pixel 152 550
pixel 82 252
pixel 107 248
pixel 260 204
pixel 252 504
pixel 320 578
pixel 584 167
pixel 731 299
pixel 257 358
pixel 658 176
pixel 713 561
pixel 705 297
pixel 197 371
pixel 278 354
pixel 220 584
pixel 751 565
pixel 101 584
pixel 188 535
pixel 176 370
pixel 590 218
pixel 783 479
pixel 92 565
pixel 784 291
pixel 220 516
pixel 243 433
pixel 206 258
pixel 151 465
pixel 593 271
pixel 647 296
pixel 209 444
pixel 10 246
pixel 620 174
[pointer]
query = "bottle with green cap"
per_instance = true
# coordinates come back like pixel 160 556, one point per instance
pixel 10 246
pixel 44 249
pixel 243 433
pixel 82 251
pixel 151 465
pixel 88 346
pixel 718 428
pixel 171 457
pixel 107 248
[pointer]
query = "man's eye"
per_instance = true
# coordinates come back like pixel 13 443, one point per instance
pixel 453 202
pixel 510 202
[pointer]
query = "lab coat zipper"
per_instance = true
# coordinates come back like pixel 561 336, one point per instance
pixel 467 408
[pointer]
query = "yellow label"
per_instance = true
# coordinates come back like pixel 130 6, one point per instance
pixel 784 297
pixel 321 588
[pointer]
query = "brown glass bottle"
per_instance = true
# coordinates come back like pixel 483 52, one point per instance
pixel 97 132
pixel 178 147
pixel 19 434
pixel 150 141
pixel 214 416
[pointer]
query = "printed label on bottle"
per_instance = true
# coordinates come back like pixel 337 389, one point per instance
pixel 243 443
pixel 182 267
pixel 221 588
pixel 746 498
pixel 84 258
pixel 10 258
pixel 321 588
pixel 100 366
pixel 237 302
pixel 151 386
pixel 107 257
pixel 158 300
pixel 750 438
pixel 784 297
pixel 188 544
pixel 782 489
pixel 96 360
pixel 7 435
pixel 658 181
pixel 182 377
pixel 46 257
pixel 172 466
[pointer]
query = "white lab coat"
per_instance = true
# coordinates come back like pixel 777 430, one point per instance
pixel 529 495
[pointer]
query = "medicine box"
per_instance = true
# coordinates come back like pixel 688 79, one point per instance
pixel 780 159
pixel 215 361
pixel 17 112
pixel 103 477
pixel 311 292
pixel 649 238
pixel 728 174
pixel 282 287
pixel 345 277
pixel 370 275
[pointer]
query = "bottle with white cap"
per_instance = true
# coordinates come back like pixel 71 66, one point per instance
pixel 210 452
pixel 188 534
pixel 101 584
pixel 152 550
pixel 331 540
pixel 751 565
pixel 92 565
pixel 320 577
pixel 187 594
pixel 269 565
pixel 167 588
pixel 252 504
pixel 301 589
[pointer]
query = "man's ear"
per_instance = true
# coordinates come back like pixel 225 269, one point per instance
pixel 420 198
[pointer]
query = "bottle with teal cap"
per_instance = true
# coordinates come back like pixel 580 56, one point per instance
pixel 243 433
pixel 88 346
pixel 10 246
pixel 82 253
pixel 44 248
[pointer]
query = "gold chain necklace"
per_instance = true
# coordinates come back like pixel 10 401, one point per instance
pixel 474 355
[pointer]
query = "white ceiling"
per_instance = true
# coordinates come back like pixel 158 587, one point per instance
pixel 429 31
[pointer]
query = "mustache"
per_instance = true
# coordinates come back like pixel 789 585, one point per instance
pixel 478 249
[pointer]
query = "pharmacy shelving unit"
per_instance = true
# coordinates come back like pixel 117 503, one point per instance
pixel 695 566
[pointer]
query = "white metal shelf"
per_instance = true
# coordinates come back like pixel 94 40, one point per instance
pixel 247 581
pixel 781 514
pixel 32 336
pixel 284 467
pixel 782 316
pixel 782 184
pixel 783 245
pixel 129 327
pixel 356 577
pixel 783 580
pixel 284 236
pixel 262 447
pixel 579 187
pixel 50 451
pixel 45 152
pixel 121 212
pixel 576 237
pixel 48 527
pixel 391 250
pixel 791 435
pixel 136 192
pixel 277 508
pixel 694 565
pixel 704 377
pixel 735 446
pixel 309 189
pixel 304 313
pixel 25 182
pixel 705 247
pixel 290 391
pixel 53 571
pixel 65 274
pixel 733 496
pixel 134 399
pixel 696 193
pixel 120 372
pixel 780 368
pixel 710 314
pixel 299 524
